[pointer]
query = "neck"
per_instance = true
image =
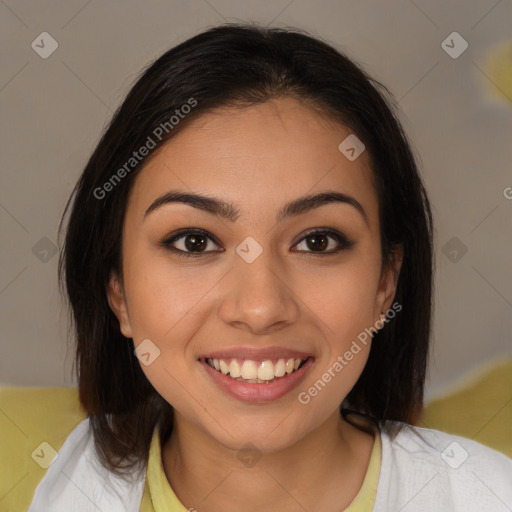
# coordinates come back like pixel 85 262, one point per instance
pixel 324 470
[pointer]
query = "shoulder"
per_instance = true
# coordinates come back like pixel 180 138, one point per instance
pixel 429 468
pixel 77 476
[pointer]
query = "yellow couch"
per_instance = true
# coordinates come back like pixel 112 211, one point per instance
pixel 481 410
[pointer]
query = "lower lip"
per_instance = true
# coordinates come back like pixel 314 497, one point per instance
pixel 253 392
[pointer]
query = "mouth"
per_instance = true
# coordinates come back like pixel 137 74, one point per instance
pixel 260 379
pixel 256 372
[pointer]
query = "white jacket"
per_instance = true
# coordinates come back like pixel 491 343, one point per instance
pixel 421 470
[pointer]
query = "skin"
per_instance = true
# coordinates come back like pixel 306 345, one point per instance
pixel 258 158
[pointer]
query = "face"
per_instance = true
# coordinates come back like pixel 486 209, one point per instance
pixel 250 286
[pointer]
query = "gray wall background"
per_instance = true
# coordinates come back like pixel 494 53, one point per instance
pixel 53 110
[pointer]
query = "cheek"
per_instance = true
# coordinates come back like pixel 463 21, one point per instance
pixel 344 300
pixel 163 297
pixel 345 308
pixel 164 306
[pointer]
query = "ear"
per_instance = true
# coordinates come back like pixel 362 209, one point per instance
pixel 117 303
pixel 388 282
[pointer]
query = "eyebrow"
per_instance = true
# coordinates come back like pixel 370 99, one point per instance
pixel 231 213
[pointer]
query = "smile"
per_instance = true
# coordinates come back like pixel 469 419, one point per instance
pixel 257 380
pixel 256 372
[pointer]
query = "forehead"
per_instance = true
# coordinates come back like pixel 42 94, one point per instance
pixel 258 157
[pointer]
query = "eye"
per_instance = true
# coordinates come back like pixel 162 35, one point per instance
pixel 318 241
pixel 191 242
pixel 195 242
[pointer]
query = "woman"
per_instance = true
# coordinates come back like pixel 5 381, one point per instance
pixel 248 259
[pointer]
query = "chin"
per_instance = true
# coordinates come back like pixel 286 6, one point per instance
pixel 266 434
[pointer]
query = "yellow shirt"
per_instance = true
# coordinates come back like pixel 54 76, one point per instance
pixel 159 496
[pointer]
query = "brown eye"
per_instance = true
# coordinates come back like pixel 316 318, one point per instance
pixel 195 242
pixel 319 241
pixel 189 243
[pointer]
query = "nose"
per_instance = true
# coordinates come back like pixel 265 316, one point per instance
pixel 257 297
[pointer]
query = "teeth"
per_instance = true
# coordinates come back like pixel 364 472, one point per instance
pixel 280 368
pixel 266 370
pixel 249 370
pixel 255 371
pixel 234 369
pixel 224 368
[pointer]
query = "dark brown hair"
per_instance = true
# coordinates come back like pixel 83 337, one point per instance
pixel 235 65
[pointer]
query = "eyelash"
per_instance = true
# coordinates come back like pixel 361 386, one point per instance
pixel 344 242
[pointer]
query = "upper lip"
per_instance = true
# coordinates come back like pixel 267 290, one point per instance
pixel 256 354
